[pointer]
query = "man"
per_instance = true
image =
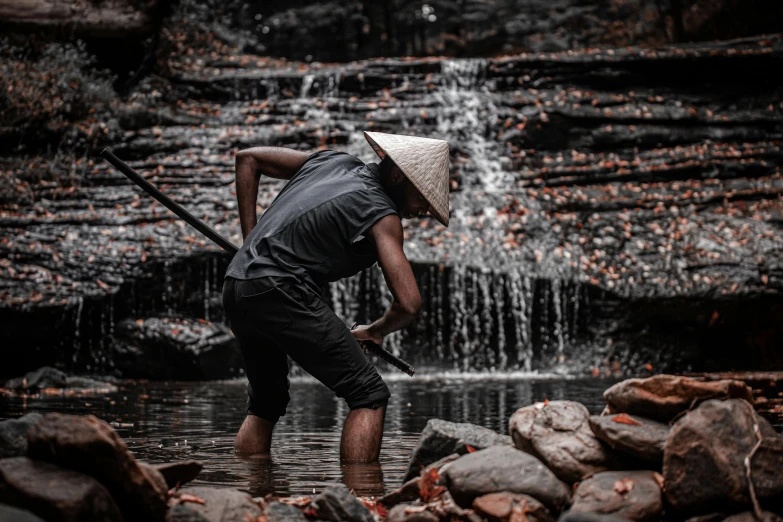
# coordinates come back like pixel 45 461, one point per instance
pixel 334 217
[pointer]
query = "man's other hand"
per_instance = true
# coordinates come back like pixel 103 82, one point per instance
pixel 365 333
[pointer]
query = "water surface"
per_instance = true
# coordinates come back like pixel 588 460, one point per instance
pixel 168 421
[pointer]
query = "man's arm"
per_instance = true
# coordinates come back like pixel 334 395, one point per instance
pixel 275 162
pixel 388 238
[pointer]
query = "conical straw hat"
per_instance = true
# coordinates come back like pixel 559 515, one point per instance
pixel 424 161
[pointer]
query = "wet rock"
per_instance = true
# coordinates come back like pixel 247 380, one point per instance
pixel 221 504
pixel 175 348
pixel 279 512
pixel 504 507
pixel 559 434
pixel 12 514
pixel 90 446
pixel 749 516
pixel 408 492
pixel 13 435
pixel 54 493
pixel 573 516
pixel 155 476
pixel 703 459
pixel 182 513
pixel 633 495
pixel 441 438
pixel 504 468
pixel 407 513
pixel 662 397
pixel 712 517
pixel 634 436
pixel 179 472
pixel 48 377
pixel 338 504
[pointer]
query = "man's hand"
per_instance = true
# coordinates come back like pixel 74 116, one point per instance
pixel 366 333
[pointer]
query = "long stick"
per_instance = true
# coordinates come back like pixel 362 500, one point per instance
pixel 222 242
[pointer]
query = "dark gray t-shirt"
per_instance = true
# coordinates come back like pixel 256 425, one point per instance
pixel 313 229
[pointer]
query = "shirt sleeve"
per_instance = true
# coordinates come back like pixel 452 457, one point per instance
pixel 371 206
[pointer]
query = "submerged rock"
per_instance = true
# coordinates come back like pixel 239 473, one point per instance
pixel 704 459
pixel 222 504
pixel 90 446
pixel 338 504
pixel 559 434
pixel 175 348
pixel 505 507
pixel 54 493
pixel 663 397
pixel 441 438
pixel 633 495
pixel 504 468
pixel 279 512
pixel 634 436
pixel 13 435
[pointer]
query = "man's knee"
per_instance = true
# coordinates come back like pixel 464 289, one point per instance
pixel 369 391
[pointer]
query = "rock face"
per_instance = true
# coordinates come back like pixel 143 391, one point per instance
pixel 222 504
pixel 504 507
pixel 13 435
pixel 89 445
pixel 504 468
pixel 662 397
pixel 703 463
pixel 54 493
pixel 559 434
pixel 441 438
pixel 171 348
pixel 338 504
pixel 633 495
pixel 635 436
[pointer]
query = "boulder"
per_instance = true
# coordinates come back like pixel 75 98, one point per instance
pixel 12 514
pixel 90 446
pixel 635 436
pixel 575 516
pixel 504 507
pixel 407 513
pixel 222 504
pixel 175 348
pixel 559 434
pixel 633 495
pixel 183 513
pixel 504 468
pixel 409 491
pixel 441 438
pixel 13 435
pixel 279 512
pixel 663 397
pixel 703 459
pixel 55 494
pixel 338 504
pixel 179 472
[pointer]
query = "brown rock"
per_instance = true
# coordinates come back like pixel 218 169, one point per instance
pixel 408 513
pixel 635 436
pixel 703 459
pixel 55 494
pixel 179 472
pixel 504 468
pixel 749 516
pixel 559 434
pixel 222 504
pixel 90 446
pixel 663 397
pixel 504 507
pixel 633 495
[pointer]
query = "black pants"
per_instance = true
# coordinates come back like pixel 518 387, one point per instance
pixel 274 318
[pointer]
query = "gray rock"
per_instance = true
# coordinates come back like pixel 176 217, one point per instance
pixel 55 494
pixel 572 516
pixel 409 491
pixel 406 513
pixel 13 435
pixel 441 438
pixel 183 513
pixel 703 459
pixel 559 434
pixel 279 512
pixel 504 468
pixel 503 507
pixel 633 495
pixel 644 441
pixel 338 504
pixel 663 397
pixel 12 514
pixel 223 504
pixel 40 379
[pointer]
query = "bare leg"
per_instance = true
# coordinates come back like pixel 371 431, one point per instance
pixel 362 435
pixel 255 436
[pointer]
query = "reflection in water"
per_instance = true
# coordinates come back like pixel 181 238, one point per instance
pixel 162 422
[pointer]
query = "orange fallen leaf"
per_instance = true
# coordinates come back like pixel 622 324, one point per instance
pixel 187 497
pixel 624 418
pixel 623 486
pixel 428 485
pixel 469 448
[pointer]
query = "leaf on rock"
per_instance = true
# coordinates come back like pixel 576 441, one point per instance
pixel 428 485
pixel 624 418
pixel 623 486
pixel 469 448
pixel 187 497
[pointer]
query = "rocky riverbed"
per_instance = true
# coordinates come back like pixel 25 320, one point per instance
pixel 666 448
